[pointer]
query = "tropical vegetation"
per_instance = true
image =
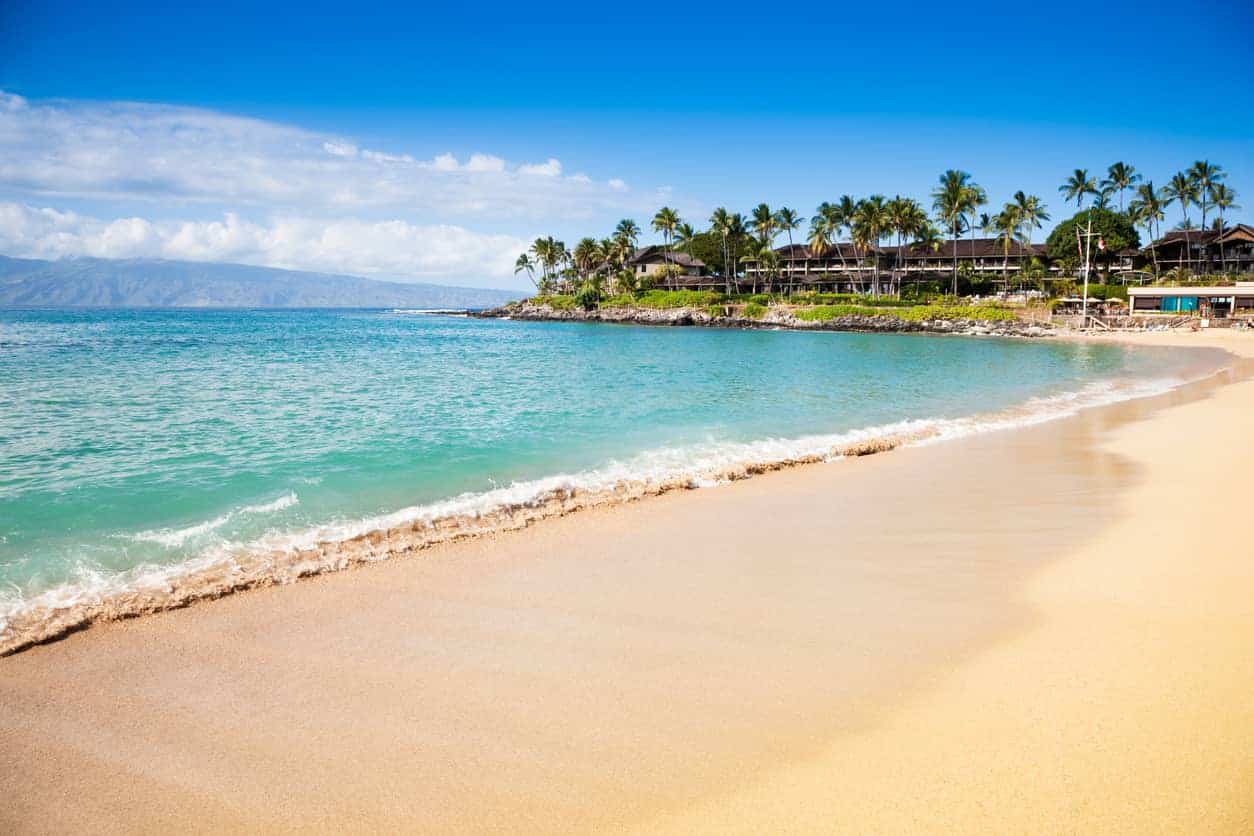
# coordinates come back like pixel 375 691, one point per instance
pixel 742 248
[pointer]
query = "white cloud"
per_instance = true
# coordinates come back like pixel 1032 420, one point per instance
pixel 393 249
pixel 548 168
pixel 618 185
pixel 174 155
pixel 340 149
pixel 484 162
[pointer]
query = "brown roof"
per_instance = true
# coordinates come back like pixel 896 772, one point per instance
pixel 1195 236
pixel 967 248
pixel 802 252
pixel 655 254
pixel 1240 232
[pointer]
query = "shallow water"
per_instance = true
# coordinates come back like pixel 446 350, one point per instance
pixel 139 439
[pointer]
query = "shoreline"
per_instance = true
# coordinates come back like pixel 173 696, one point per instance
pixel 146 590
pixel 795 665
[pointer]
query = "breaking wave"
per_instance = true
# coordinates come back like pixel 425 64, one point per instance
pixel 283 557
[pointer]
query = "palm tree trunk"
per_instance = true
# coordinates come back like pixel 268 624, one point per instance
pixel 953 226
pixel 1222 265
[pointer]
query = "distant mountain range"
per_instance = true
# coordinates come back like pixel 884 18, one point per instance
pixel 124 283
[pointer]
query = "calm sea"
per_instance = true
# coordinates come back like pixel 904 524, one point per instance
pixel 139 439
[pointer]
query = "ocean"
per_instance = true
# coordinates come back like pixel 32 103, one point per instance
pixel 141 449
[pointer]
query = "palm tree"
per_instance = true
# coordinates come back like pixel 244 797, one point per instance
pixel 826 221
pixel 1031 213
pixel 905 218
pixel 844 209
pixel 736 231
pixel 1148 208
pixel 1006 224
pixel 787 220
pixel 1120 177
pixel 820 237
pixel 585 256
pixel 1078 186
pixel 665 222
pixel 950 199
pixel 628 231
pixel 720 224
pixel 685 237
pixel 1206 175
pixel 871 223
pixel 1101 198
pixel 976 197
pixel 1183 189
pixel 524 262
pixel 762 224
pixel 1224 199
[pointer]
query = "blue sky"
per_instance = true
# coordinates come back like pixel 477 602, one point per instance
pixel 317 136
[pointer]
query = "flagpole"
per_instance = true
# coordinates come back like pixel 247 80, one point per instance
pixel 1088 250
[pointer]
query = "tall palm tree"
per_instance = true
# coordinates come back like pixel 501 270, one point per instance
pixel 787 220
pixel 1183 189
pixel 976 197
pixel 1078 186
pixel 1120 177
pixel 720 225
pixel 845 207
pixel 1206 175
pixel 871 223
pixel 1031 213
pixel 585 256
pixel 736 232
pixel 1006 224
pixel 950 199
pixel 762 224
pixel 685 237
pixel 1224 199
pixel 820 238
pixel 627 232
pixel 524 262
pixel 905 217
pixel 665 222
pixel 1148 205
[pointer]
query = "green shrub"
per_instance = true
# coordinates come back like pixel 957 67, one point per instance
pixel 558 302
pixel 755 310
pixel 678 299
pixel 587 297
pixel 714 310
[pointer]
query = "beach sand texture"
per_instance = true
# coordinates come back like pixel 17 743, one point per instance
pixel 1043 630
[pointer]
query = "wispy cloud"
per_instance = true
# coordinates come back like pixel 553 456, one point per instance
pixel 172 155
pixel 393 249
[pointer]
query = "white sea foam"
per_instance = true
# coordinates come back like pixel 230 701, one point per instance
pixel 235 565
pixel 173 538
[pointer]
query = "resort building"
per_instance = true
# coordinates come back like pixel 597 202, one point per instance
pixel 1215 302
pixel 985 255
pixel 649 260
pixel 1205 250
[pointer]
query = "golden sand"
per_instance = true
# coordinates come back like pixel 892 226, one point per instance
pixel 1049 629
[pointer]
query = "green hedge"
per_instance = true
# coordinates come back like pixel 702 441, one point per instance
pixel 987 313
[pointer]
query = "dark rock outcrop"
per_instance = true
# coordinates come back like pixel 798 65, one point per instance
pixel 775 318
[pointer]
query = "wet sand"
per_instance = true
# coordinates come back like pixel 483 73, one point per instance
pixel 1042 629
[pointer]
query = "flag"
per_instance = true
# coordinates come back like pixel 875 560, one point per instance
pixel 1101 244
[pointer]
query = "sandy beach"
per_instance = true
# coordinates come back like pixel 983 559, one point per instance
pixel 1041 630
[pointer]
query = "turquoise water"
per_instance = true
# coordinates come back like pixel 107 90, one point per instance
pixel 139 438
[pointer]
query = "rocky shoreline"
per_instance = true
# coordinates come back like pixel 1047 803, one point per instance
pixel 775 318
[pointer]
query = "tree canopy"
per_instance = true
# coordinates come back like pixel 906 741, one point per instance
pixel 1115 227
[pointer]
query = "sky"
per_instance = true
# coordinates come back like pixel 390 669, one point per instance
pixel 433 144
